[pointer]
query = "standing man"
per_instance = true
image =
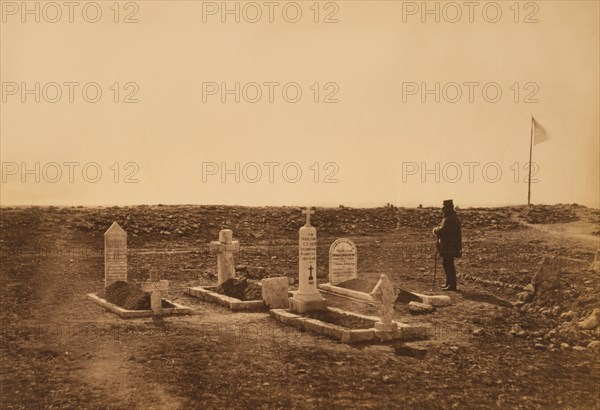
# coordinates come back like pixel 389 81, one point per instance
pixel 449 242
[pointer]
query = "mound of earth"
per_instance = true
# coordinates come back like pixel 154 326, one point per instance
pixel 335 318
pixel 476 218
pixel 358 284
pixel 550 214
pixel 241 289
pixel 128 296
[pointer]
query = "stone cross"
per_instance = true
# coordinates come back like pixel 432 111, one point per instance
pixel 308 212
pixel 225 248
pixel 156 287
pixel 115 255
pixel 383 293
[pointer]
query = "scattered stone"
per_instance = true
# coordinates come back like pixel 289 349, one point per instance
pixel 420 308
pixel 525 297
pixel 594 346
pixel 550 214
pixel 517 330
pixel 579 348
pixel 547 277
pixel 592 321
pixel 569 315
pixel 529 289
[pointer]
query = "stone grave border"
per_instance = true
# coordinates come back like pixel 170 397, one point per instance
pixel 348 293
pixel 403 332
pixel 132 314
pixel 206 293
pixel 433 300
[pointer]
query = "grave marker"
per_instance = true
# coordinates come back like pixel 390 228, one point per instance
pixel 225 248
pixel 308 297
pixel 156 287
pixel 342 261
pixel 383 293
pixel 275 292
pixel 115 255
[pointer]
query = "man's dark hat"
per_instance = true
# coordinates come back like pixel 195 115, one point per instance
pixel 448 203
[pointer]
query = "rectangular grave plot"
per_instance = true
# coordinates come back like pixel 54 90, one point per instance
pixel 207 294
pixel 175 309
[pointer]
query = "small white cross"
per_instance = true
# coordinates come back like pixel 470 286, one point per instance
pixel 155 287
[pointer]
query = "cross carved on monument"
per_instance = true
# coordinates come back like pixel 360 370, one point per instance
pixel 308 212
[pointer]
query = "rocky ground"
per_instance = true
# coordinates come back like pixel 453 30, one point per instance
pixel 513 338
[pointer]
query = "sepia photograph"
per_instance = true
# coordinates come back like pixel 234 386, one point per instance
pixel 310 204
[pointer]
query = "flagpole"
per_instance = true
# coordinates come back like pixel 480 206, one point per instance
pixel 530 151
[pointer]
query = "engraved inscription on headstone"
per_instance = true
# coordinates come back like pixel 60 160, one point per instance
pixel 115 254
pixel 307 256
pixel 307 298
pixel 342 261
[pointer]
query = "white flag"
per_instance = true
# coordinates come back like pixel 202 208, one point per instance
pixel 539 133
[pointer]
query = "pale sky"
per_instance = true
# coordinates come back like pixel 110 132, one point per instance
pixel 376 140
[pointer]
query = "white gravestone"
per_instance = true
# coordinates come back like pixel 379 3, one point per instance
pixel 383 293
pixel 115 255
pixel 342 261
pixel 308 297
pixel 155 287
pixel 225 248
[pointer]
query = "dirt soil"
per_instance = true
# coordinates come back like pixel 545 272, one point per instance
pixel 60 350
pixel 241 289
pixel 335 318
pixel 128 296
